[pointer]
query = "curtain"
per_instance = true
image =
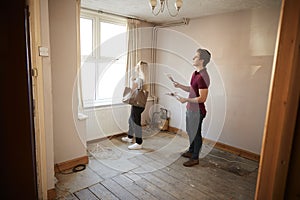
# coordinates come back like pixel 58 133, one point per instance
pixel 78 62
pixel 152 70
pixel 134 52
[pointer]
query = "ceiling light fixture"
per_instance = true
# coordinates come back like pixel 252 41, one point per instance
pixel 164 3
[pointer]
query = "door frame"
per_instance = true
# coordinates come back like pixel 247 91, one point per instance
pixel 282 106
pixel 38 96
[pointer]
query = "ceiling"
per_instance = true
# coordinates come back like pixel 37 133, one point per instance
pixel 190 9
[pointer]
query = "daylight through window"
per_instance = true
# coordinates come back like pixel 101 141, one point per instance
pixel 103 41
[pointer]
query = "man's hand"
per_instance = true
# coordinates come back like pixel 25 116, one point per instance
pixel 182 100
pixel 176 84
pixel 183 87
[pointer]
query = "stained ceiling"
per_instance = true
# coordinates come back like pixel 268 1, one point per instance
pixel 190 9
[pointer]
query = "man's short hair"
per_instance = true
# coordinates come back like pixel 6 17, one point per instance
pixel 204 55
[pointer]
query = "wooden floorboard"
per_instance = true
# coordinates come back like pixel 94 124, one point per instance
pixel 208 191
pixel 219 181
pixel 102 193
pixel 133 188
pixel 85 194
pixel 178 194
pixel 70 197
pixel 149 187
pixel 118 190
pixel 156 172
pixel 181 186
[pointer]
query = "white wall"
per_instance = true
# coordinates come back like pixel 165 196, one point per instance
pixel 107 121
pixel 70 135
pixel 68 142
pixel 242 46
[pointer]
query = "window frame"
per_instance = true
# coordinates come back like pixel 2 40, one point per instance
pixel 96 52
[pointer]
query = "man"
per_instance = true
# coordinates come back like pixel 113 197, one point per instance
pixel 196 112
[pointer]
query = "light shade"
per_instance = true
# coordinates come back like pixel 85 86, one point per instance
pixel 153 3
pixel 178 4
pixel 163 4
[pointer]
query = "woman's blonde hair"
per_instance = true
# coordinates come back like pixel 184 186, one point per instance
pixel 141 67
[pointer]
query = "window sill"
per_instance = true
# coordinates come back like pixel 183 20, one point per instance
pixel 82 116
pixel 97 105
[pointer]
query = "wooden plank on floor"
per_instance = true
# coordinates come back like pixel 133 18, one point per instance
pixel 104 171
pixel 85 194
pixel 149 187
pixel 118 190
pixel 195 184
pixel 70 197
pixel 145 164
pixel 160 174
pixel 102 193
pixel 170 188
pixel 219 180
pixel 133 188
pixel 164 158
pixel 188 189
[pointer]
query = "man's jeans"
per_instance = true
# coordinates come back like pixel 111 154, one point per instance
pixel 193 128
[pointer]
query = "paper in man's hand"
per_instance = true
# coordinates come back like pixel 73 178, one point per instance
pixel 173 94
pixel 170 77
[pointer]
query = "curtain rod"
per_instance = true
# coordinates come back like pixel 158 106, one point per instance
pixel 184 21
pixel 117 15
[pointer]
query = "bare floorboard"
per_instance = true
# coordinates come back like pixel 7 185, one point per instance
pixel 118 190
pixel 170 188
pixel 218 181
pixel 135 189
pixel 156 172
pixel 102 193
pixel 201 186
pixel 149 187
pixel 85 194
pixel 182 186
pixel 70 197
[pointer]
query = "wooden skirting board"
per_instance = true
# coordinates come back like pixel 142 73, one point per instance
pixel 225 147
pixel 240 152
pixel 105 138
pixel 51 194
pixel 71 163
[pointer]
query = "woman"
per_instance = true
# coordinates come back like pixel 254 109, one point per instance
pixel 134 121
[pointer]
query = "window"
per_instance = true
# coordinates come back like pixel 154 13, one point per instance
pixel 103 42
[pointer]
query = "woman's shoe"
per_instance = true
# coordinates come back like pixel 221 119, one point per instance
pixel 126 139
pixel 135 146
